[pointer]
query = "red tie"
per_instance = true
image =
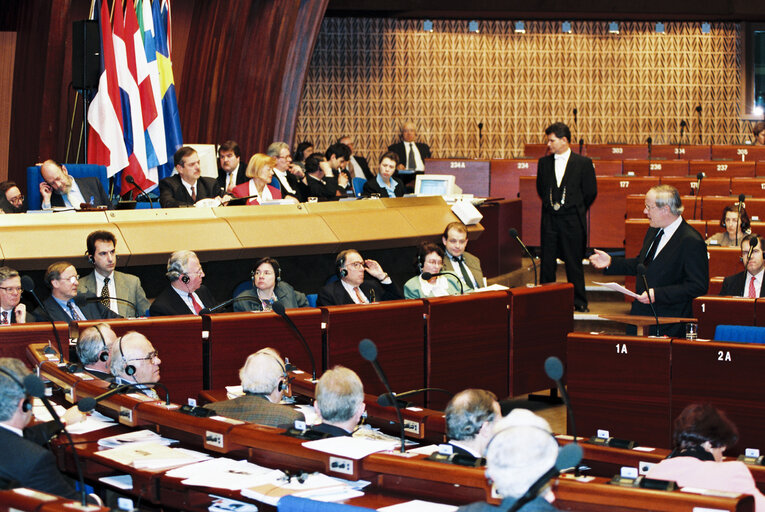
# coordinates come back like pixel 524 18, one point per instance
pixel 752 291
pixel 194 193
pixel 197 307
pixel 359 295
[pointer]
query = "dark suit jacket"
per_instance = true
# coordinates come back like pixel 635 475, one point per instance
pixel 240 176
pixel 284 292
pixel 168 302
pixel 372 187
pixel 91 310
pixel 173 194
pixel 578 180
pixel 364 167
pixel 538 504
pixel 736 285
pixel 331 430
pixel 89 187
pixel 258 409
pixel 334 294
pixel 32 466
pixel 400 149
pixel 678 274
pixel 466 458
pixel 300 189
pixel 325 189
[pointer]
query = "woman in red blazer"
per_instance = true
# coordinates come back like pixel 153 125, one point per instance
pixel 260 170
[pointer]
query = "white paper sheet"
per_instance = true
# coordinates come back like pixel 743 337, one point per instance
pixel 350 447
pixel 618 288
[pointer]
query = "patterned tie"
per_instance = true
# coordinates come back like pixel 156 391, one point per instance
pixel 197 307
pixel 105 293
pixel 410 161
pixel 193 193
pixel 72 311
pixel 359 295
pixel 654 245
pixel 465 273
pixel 752 291
pixel 5 318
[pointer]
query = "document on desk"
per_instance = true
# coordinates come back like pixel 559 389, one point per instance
pixel 224 473
pixel 418 506
pixel 136 436
pixel 94 421
pixel 618 288
pixel 350 447
pixel 315 486
pixel 152 456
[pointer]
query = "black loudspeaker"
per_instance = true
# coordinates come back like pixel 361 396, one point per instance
pixel 86 54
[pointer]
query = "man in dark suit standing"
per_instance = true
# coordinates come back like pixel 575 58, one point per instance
pixel 352 288
pixel 186 295
pixel 411 154
pixel 675 257
pixel 63 304
pixel 188 186
pixel 12 310
pixel 749 283
pixel 231 172
pixel 58 189
pixel 357 167
pixel 470 417
pixel 567 187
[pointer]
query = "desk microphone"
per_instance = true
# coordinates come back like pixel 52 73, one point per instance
pixel 87 404
pixel 130 180
pixel 568 456
pixel 554 370
pixel 581 145
pixel 753 242
pixel 514 233
pixel 118 299
pixel 701 126
pixel 741 206
pixel 427 275
pixel 649 141
pixel 641 272
pixel 683 126
pixel 278 308
pixel 222 305
pixel 700 176
pixel 386 399
pixel 29 286
pixel 368 351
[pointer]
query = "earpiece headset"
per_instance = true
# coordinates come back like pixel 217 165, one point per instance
pixel 104 355
pixel 339 264
pixel 26 406
pixel 90 258
pixel 274 264
pixel 129 368
pixel 185 278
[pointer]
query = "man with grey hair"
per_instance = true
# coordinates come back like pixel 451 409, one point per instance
pixel 134 360
pixel 26 462
pixel 339 402
pixel 265 382
pixel 93 347
pixel 470 416
pixel 291 177
pixel 520 452
pixel 674 256
pixel 12 310
pixel 186 295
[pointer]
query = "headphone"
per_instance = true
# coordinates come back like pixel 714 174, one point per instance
pixel 185 278
pixel 175 271
pixel 340 263
pixel 90 258
pixel 26 406
pixel 274 264
pixel 104 355
pixel 284 380
pixel 129 368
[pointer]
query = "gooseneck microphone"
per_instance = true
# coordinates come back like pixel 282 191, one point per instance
pixel 641 272
pixel 683 126
pixel 700 176
pixel 581 146
pixel 753 242
pixel 368 351
pixel 741 206
pixel 118 299
pixel 222 305
pixel 130 180
pixel 554 371
pixel 649 141
pixel 278 308
pixel 568 456
pixel 29 286
pixel 698 111
pixel 427 275
pixel 386 399
pixel 514 234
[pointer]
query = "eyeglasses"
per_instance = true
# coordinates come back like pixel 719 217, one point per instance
pixel 72 279
pixel 355 265
pixel 149 357
pixel 11 289
pixel 17 199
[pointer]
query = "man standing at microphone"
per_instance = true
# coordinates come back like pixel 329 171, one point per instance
pixel 675 257
pixel 567 187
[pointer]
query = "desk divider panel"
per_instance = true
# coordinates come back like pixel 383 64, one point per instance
pixel 712 311
pixel 540 319
pixel 614 151
pixel 467 344
pixel 740 153
pixel 16 337
pixel 724 261
pixel 655 167
pixel 398 330
pixel 621 384
pixel 472 176
pixel 505 174
pixel 531 207
pixel 723 169
pixel 709 186
pixel 179 342
pixel 685 152
pixel 234 336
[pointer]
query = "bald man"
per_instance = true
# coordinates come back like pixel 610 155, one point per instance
pixel 59 190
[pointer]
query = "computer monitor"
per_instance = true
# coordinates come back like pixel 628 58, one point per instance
pixel 436 185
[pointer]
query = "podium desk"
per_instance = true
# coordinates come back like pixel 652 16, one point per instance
pixel 644 323
pixel 499 254
pixel 531 207
pixel 234 336
pixel 621 384
pixel 540 319
pixel 397 329
pixel 467 344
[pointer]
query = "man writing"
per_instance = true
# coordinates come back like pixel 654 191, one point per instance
pixel 749 283
pixel 352 287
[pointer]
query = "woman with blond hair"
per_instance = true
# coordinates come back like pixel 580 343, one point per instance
pixel 260 170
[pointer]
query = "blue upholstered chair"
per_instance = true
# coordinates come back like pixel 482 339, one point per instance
pixel 34 178
pixel 740 333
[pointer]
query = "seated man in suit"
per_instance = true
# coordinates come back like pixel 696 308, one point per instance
pixel 352 287
pixel 12 310
pixel 339 402
pixel 321 186
pixel 265 382
pixel 189 186
pixel 520 452
pixel 122 293
pixel 338 155
pixel 135 361
pixel 357 167
pixel 93 347
pixel 411 154
pixel 26 461
pixel 470 418
pixel 466 266
pixel 749 283
pixel 230 169
pixel 291 176
pixel 11 198
pixel 58 189
pixel 186 295
pixel 63 304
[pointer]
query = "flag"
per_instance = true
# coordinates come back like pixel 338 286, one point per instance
pixel 166 84
pixel 132 116
pixel 105 142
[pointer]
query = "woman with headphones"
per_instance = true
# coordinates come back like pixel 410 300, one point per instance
pixel 267 288
pixel 430 259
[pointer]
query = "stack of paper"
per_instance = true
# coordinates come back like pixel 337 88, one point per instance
pixel 315 486
pixel 152 456
pixel 350 447
pixel 137 436
pixel 224 473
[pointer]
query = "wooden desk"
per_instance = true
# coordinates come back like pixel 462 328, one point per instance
pixel 609 208
pixel 499 254
pixel 644 323
pixel 532 210
pixel 505 174
pixel 621 384
pixel 709 186
pixel 656 167
pixel 724 261
pixel 472 176
pixel 750 187
pixel 727 169
pixel 16 337
pixel 738 152
pixel 685 152
pixel 608 167
pixel 614 151
pixel 712 311
pixel 35 501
